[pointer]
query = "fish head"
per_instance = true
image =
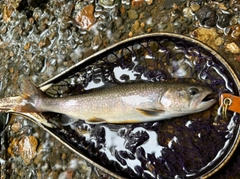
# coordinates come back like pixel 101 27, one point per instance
pixel 187 99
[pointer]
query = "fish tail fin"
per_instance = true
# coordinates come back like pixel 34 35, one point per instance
pixel 31 97
pixel 28 101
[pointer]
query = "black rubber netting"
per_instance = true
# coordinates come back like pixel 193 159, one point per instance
pixel 184 147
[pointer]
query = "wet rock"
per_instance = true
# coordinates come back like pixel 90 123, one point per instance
pixel 16 126
pixel 116 36
pixel 7 12
pixel 187 12
pixel 235 5
pixel 136 25
pixel 149 2
pixel 39 64
pixel 219 41
pixel 207 36
pixel 207 16
pixel 97 42
pixel 118 22
pixel 27 148
pixel 180 25
pixel 124 15
pixel 232 31
pixel 195 7
pixel 170 3
pixel 85 18
pixel 137 3
pixel 44 43
pixel 106 2
pixel 132 14
pixel 27 46
pixel 237 58
pixel 36 3
pixel 223 20
pixel 233 48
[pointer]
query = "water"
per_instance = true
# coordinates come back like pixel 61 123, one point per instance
pixel 182 147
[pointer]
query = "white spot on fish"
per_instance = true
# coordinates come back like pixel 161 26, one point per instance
pixel 71 103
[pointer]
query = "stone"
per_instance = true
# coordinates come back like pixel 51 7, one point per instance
pixel 195 7
pixel 27 146
pixel 232 31
pixel 137 3
pixel 85 18
pixel 207 36
pixel 223 20
pixel 136 25
pixel 132 14
pixel 235 5
pixel 106 2
pixel 207 16
pixel 7 12
pixel 16 126
pixel 233 48
pixel 219 41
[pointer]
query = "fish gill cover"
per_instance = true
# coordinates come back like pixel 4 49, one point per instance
pixel 183 147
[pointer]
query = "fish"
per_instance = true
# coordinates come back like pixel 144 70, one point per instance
pixel 122 103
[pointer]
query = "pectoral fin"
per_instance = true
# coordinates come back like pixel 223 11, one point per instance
pixel 95 120
pixel 150 112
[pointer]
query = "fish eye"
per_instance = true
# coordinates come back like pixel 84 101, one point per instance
pixel 193 91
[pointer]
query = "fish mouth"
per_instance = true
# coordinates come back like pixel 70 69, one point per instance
pixel 206 101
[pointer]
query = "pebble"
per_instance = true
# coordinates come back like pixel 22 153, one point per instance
pixel 7 12
pixel 118 22
pixel 130 34
pixel 233 31
pixel 27 46
pixel 195 7
pixel 136 25
pixel 223 20
pixel 137 3
pixel 27 148
pixel 235 5
pixel 219 41
pixel 149 2
pixel 97 42
pixel 44 43
pixel 207 16
pixel 233 48
pixel 85 18
pixel 207 36
pixel 16 126
pixel 132 14
pixel 106 2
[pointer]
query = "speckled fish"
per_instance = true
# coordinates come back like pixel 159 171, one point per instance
pixel 125 103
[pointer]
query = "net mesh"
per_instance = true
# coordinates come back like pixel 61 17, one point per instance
pixel 181 147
